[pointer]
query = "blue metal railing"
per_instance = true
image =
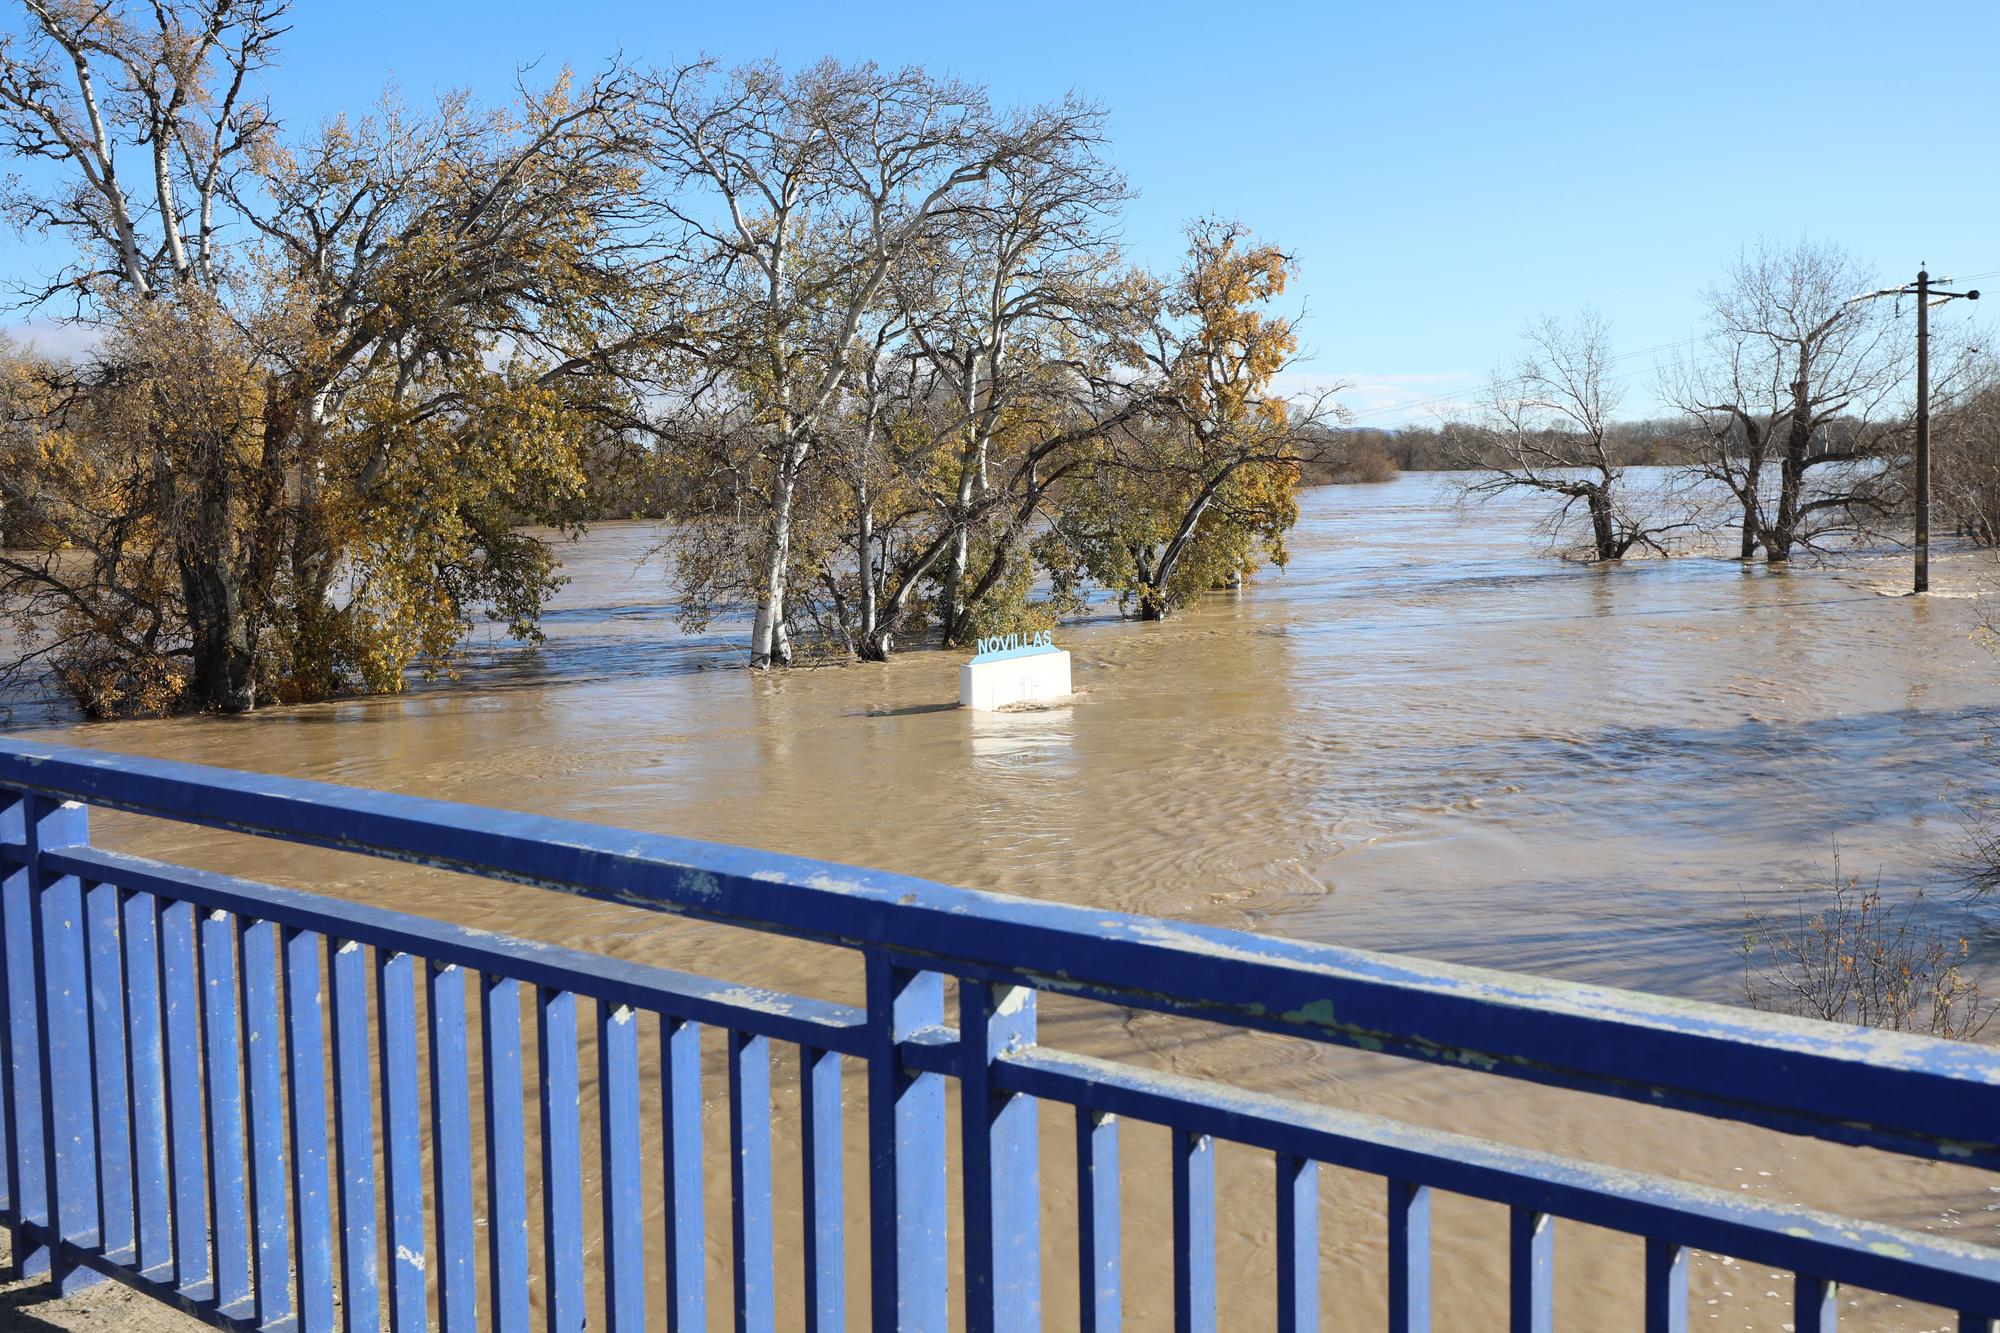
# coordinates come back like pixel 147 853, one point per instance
pixel 194 1066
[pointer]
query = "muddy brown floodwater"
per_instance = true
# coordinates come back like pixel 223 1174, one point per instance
pixel 1424 736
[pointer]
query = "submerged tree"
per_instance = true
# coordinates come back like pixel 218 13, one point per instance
pixel 1798 375
pixel 1549 431
pixel 1199 492
pixel 330 377
pixel 801 198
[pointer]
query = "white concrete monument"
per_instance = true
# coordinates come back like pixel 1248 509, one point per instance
pixel 1014 669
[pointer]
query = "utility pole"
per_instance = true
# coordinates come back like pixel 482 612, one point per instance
pixel 1923 579
pixel 1927 294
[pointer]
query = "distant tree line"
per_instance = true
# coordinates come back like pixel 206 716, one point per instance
pixel 1651 442
pixel 1965 482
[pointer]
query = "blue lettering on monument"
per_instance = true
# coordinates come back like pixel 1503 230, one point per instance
pixel 1008 643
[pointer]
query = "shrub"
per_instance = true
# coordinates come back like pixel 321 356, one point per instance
pixel 1847 957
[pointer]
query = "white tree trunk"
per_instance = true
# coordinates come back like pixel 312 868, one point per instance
pixel 770 645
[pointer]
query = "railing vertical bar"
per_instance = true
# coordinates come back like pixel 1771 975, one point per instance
pixel 1194 1232
pixel 619 1158
pixel 181 982
pixel 354 1129
pixel 1409 1257
pixel 108 1029
pixel 1002 1165
pixel 562 1186
pixel 13 818
pixel 402 1138
pixel 906 1152
pixel 680 1099
pixel 820 1158
pixel 223 1065
pixel 1666 1287
pixel 26 1175
pixel 1531 1271
pixel 305 1050
pixel 1298 1244
pixel 1815 1305
pixel 750 1181
pixel 68 1128
pixel 451 1151
pixel 506 1153
pixel 263 1062
pixel 145 1054
pixel 1100 1303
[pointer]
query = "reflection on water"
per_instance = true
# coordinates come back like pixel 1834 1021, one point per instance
pixel 1422 736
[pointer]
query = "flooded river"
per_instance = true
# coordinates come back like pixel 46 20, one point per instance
pixel 1424 736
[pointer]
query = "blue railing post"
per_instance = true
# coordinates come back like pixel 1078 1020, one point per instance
pixel 402 1138
pixel 305 1052
pixel 108 1028
pixel 618 1146
pixel 1298 1244
pixel 69 1130
pixel 1002 1163
pixel 506 1153
pixel 180 985
pixel 1409 1257
pixel 824 1194
pixel 906 1153
pixel 222 1070
pixel 562 1176
pixel 153 1219
pixel 1531 1271
pixel 271 1251
pixel 354 1132
pixel 1194 1232
pixel 1666 1287
pixel 27 1198
pixel 1815 1306
pixel 451 1153
pixel 1098 1295
pixel 753 1270
pixel 680 1113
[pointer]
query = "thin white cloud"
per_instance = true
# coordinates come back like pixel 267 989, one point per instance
pixel 54 338
pixel 1376 398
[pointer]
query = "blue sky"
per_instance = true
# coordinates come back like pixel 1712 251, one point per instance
pixel 1443 172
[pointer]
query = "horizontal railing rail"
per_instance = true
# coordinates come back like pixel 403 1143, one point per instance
pixel 225 1157
pixel 1855 1085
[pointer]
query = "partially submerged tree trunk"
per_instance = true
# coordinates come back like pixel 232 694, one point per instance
pixel 1548 431
pixel 223 640
pixel 1796 372
pixel 770 641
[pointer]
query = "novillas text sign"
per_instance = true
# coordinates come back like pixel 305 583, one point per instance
pixel 1032 641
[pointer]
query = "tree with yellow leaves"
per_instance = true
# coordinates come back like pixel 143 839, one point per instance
pixel 1198 493
pixel 332 376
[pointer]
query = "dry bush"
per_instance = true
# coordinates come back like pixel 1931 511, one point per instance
pixel 1847 957
pixel 1370 467
pixel 1354 464
pixel 1977 859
